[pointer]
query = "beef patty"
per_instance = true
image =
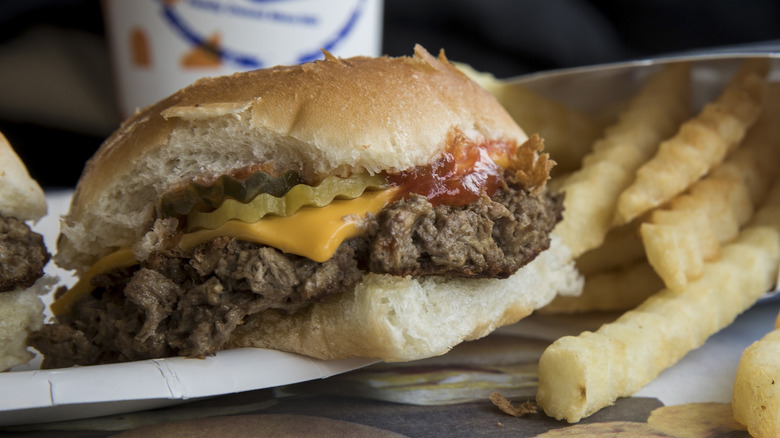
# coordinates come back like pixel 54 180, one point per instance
pixel 187 303
pixel 22 255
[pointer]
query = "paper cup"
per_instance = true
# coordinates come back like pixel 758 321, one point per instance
pixel 160 46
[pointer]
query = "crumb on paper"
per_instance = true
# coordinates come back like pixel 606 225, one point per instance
pixel 525 408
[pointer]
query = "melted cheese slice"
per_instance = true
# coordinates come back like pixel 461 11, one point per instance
pixel 312 232
pixel 122 258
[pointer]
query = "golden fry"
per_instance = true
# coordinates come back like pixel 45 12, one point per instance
pixel 622 247
pixel 568 133
pixel 701 143
pixel 592 191
pixel 616 290
pixel 690 229
pixel 677 250
pixel 580 375
pixel 756 398
pixel 485 80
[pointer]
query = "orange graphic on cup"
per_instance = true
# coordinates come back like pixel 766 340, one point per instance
pixel 139 48
pixel 203 55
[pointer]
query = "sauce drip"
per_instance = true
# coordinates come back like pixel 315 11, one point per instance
pixel 460 175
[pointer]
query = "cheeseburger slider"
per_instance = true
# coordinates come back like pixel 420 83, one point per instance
pixel 364 207
pixel 23 256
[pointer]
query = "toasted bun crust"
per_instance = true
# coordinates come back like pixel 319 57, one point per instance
pixel 337 116
pixel 402 318
pixel 20 195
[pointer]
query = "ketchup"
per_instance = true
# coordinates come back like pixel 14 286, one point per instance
pixel 459 176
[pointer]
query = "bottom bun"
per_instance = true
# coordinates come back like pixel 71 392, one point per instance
pixel 21 312
pixel 402 318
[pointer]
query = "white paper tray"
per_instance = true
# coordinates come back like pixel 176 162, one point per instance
pixel 80 392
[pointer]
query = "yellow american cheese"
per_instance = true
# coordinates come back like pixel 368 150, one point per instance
pixel 312 232
pixel 122 258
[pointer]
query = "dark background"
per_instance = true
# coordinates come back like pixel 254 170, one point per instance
pixel 504 37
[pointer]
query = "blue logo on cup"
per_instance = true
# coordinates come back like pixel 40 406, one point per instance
pixel 259 11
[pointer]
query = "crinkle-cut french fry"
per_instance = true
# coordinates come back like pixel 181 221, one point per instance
pixel 486 80
pixel 622 247
pixel 757 157
pixel 568 133
pixel 756 397
pixel 700 144
pixel 653 115
pixel 725 203
pixel 557 181
pixel 675 249
pixel 580 375
pixel 768 213
pixel 679 238
pixel 620 289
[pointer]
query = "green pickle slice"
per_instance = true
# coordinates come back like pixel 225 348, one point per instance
pixel 208 197
pixel 297 196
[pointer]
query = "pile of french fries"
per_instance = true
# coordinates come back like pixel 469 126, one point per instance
pixel 673 216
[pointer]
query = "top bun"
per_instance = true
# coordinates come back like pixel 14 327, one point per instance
pixel 20 195
pixel 330 117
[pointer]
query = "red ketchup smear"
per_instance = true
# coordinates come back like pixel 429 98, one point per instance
pixel 459 176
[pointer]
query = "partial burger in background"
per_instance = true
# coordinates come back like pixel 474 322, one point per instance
pixel 363 207
pixel 23 256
